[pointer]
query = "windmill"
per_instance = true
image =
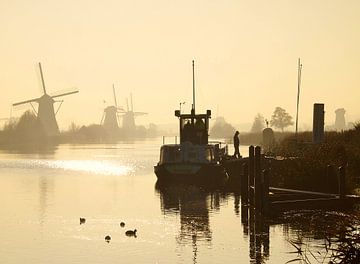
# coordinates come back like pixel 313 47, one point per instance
pixel 46 113
pixel 128 122
pixel 110 117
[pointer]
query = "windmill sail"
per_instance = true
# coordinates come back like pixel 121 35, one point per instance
pixel 63 94
pixel 27 101
pixel 42 78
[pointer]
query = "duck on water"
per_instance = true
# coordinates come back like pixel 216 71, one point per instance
pixel 195 159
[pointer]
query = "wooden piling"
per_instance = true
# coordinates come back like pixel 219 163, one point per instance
pixel 245 184
pixel 341 181
pixel 251 175
pixel 265 190
pixel 257 183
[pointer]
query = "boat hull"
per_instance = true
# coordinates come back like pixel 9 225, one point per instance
pixel 191 173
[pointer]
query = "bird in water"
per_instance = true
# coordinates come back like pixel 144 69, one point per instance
pixel 131 232
pixel 107 239
pixel 82 220
pixel 122 224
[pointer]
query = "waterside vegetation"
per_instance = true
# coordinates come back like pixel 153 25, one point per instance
pixel 27 131
pixel 314 166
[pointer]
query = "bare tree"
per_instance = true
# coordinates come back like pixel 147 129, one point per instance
pixel 281 119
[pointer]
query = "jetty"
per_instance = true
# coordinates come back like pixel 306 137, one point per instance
pixel 252 176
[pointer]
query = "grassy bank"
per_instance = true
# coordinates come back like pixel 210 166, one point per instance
pixel 314 166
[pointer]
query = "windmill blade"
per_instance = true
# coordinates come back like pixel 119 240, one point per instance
pixel 63 94
pixel 42 78
pixel 36 113
pixel 139 113
pixel 118 119
pixel 114 95
pixel 61 101
pixel 102 118
pixel 27 101
pixel 120 110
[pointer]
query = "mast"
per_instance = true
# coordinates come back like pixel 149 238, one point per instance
pixel 193 69
pixel 42 78
pixel 298 97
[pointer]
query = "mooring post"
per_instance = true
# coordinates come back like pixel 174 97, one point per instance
pixel 257 183
pixel 341 181
pixel 265 190
pixel 245 184
pixel 251 176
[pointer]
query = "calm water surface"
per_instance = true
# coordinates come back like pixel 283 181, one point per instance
pixel 43 194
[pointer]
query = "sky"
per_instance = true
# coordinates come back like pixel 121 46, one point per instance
pixel 245 52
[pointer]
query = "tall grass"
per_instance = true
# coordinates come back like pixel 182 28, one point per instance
pixel 307 164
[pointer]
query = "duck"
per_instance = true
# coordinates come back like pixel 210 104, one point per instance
pixel 82 220
pixel 131 232
pixel 122 224
pixel 108 238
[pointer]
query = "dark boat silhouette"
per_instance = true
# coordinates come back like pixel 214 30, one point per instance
pixel 195 159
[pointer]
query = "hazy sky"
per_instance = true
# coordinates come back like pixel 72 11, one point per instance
pixel 245 51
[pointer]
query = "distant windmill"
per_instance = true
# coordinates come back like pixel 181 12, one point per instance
pixel 110 117
pixel 128 122
pixel 46 113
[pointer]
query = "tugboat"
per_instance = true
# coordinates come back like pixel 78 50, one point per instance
pixel 195 159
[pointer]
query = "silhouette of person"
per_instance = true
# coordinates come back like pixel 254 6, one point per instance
pixel 200 131
pixel 236 145
pixel 187 131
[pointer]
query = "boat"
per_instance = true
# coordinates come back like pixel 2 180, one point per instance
pixel 194 158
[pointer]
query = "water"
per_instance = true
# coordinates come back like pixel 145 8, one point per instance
pixel 43 195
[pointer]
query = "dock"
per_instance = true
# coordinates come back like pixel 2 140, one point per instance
pixel 252 177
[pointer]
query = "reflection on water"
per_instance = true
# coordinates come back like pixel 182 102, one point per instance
pixel 193 203
pixel 196 204
pixel 42 196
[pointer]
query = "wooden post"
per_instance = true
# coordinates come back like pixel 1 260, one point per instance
pixel 341 181
pixel 251 175
pixel 265 190
pixel 245 184
pixel 245 218
pixel 257 183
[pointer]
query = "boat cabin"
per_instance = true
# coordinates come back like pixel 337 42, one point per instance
pixel 194 128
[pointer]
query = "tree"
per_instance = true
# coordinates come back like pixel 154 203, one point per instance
pixel 281 119
pixel 258 124
pixel 222 129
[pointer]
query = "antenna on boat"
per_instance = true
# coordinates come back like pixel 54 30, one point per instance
pixel 193 69
pixel 298 98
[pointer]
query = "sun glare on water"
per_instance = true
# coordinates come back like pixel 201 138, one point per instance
pixel 87 166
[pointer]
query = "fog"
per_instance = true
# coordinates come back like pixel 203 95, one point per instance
pixel 245 56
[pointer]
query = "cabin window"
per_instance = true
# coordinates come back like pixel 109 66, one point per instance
pixel 170 155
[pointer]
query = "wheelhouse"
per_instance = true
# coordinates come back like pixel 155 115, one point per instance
pixel 194 128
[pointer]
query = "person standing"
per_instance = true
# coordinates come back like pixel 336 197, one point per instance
pixel 236 145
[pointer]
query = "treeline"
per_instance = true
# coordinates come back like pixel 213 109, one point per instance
pixel 28 131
